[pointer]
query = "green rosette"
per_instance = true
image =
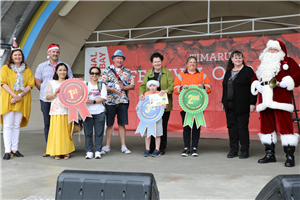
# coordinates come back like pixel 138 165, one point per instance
pixel 193 101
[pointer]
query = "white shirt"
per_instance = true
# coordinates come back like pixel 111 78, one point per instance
pixel 94 94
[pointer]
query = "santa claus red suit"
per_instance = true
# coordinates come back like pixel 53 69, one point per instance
pixel 275 104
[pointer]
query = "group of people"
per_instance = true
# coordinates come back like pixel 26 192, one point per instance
pixel 108 98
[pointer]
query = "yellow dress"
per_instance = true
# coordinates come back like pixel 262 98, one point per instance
pixel 8 76
pixel 60 140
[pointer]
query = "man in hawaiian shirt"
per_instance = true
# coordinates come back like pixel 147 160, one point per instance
pixel 118 81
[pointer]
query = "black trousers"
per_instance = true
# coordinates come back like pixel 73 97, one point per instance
pixel 187 133
pixel 45 108
pixel 237 125
pixel 163 138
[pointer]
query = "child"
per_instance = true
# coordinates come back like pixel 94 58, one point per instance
pixel 153 85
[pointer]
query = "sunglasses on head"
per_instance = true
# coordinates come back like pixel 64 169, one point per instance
pixel 94 73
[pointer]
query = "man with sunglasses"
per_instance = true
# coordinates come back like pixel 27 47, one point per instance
pixel 43 74
pixel 118 81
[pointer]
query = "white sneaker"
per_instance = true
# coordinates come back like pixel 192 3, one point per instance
pixel 89 155
pixel 105 149
pixel 125 150
pixel 97 155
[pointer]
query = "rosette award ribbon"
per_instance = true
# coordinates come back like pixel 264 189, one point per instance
pixel 148 116
pixel 193 101
pixel 73 94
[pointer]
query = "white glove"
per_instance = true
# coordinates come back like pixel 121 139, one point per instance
pixel 259 87
pixel 283 84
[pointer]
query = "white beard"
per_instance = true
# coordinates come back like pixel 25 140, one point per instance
pixel 270 65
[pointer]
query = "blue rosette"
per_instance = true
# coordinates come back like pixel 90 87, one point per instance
pixel 148 116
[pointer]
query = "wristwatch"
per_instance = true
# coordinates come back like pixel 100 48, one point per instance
pixel 94 102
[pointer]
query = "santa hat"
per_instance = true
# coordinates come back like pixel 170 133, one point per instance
pixel 152 81
pixel 53 46
pixel 15 45
pixel 277 44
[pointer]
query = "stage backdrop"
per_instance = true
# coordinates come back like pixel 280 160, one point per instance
pixel 212 55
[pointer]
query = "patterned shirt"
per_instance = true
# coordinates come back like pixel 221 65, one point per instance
pixel 45 72
pixel 110 79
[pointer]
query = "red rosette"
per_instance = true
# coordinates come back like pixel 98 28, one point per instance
pixel 73 95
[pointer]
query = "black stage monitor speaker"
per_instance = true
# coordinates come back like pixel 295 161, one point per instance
pixel 282 187
pixel 77 184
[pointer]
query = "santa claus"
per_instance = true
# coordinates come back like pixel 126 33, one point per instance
pixel 275 100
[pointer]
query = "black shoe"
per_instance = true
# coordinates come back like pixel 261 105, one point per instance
pixel 269 157
pixel 232 154
pixel 244 155
pixel 185 152
pixel 162 152
pixel 17 154
pixel 194 152
pixel 290 159
pixel 6 156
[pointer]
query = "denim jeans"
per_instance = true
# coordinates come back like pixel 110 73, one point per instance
pixel 45 107
pixel 96 123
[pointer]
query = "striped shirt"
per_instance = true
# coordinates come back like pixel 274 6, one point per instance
pixel 45 72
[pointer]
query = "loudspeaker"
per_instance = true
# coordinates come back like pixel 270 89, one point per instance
pixel 78 184
pixel 281 187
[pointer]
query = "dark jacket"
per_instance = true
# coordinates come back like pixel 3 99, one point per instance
pixel 242 97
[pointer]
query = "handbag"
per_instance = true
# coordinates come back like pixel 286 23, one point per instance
pixel 76 126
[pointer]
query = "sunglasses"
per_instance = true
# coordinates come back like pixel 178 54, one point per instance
pixel 54 44
pixel 93 73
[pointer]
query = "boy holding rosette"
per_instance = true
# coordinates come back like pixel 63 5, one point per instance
pixel 150 113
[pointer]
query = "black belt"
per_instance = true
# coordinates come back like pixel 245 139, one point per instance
pixel 265 83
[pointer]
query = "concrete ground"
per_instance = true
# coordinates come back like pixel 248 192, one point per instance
pixel 209 176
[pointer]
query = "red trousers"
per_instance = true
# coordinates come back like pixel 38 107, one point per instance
pixel 283 119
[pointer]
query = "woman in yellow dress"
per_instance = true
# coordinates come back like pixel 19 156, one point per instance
pixel 16 83
pixel 60 140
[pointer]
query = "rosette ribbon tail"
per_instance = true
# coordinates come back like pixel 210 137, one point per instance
pixel 189 119
pixel 141 128
pixel 200 120
pixel 73 116
pixel 84 112
pixel 151 129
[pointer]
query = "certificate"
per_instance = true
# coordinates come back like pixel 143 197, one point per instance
pixel 156 100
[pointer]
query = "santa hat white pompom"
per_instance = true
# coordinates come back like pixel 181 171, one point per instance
pixel 285 66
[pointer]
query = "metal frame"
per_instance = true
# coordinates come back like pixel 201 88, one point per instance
pixel 190 33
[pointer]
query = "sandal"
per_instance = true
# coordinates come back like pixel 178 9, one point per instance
pixel 67 156
pixel 46 155
pixel 57 157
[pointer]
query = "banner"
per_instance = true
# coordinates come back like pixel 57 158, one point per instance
pixel 95 57
pixel 212 56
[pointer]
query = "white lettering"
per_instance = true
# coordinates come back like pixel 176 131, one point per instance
pixel 140 75
pixel 228 55
pixel 205 58
pixel 175 71
pixel 132 74
pixel 220 56
pixel 213 73
pixel 213 56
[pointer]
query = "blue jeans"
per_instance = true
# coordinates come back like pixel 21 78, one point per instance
pixel 45 107
pixel 96 122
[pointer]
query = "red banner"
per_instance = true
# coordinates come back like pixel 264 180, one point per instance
pixel 212 55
